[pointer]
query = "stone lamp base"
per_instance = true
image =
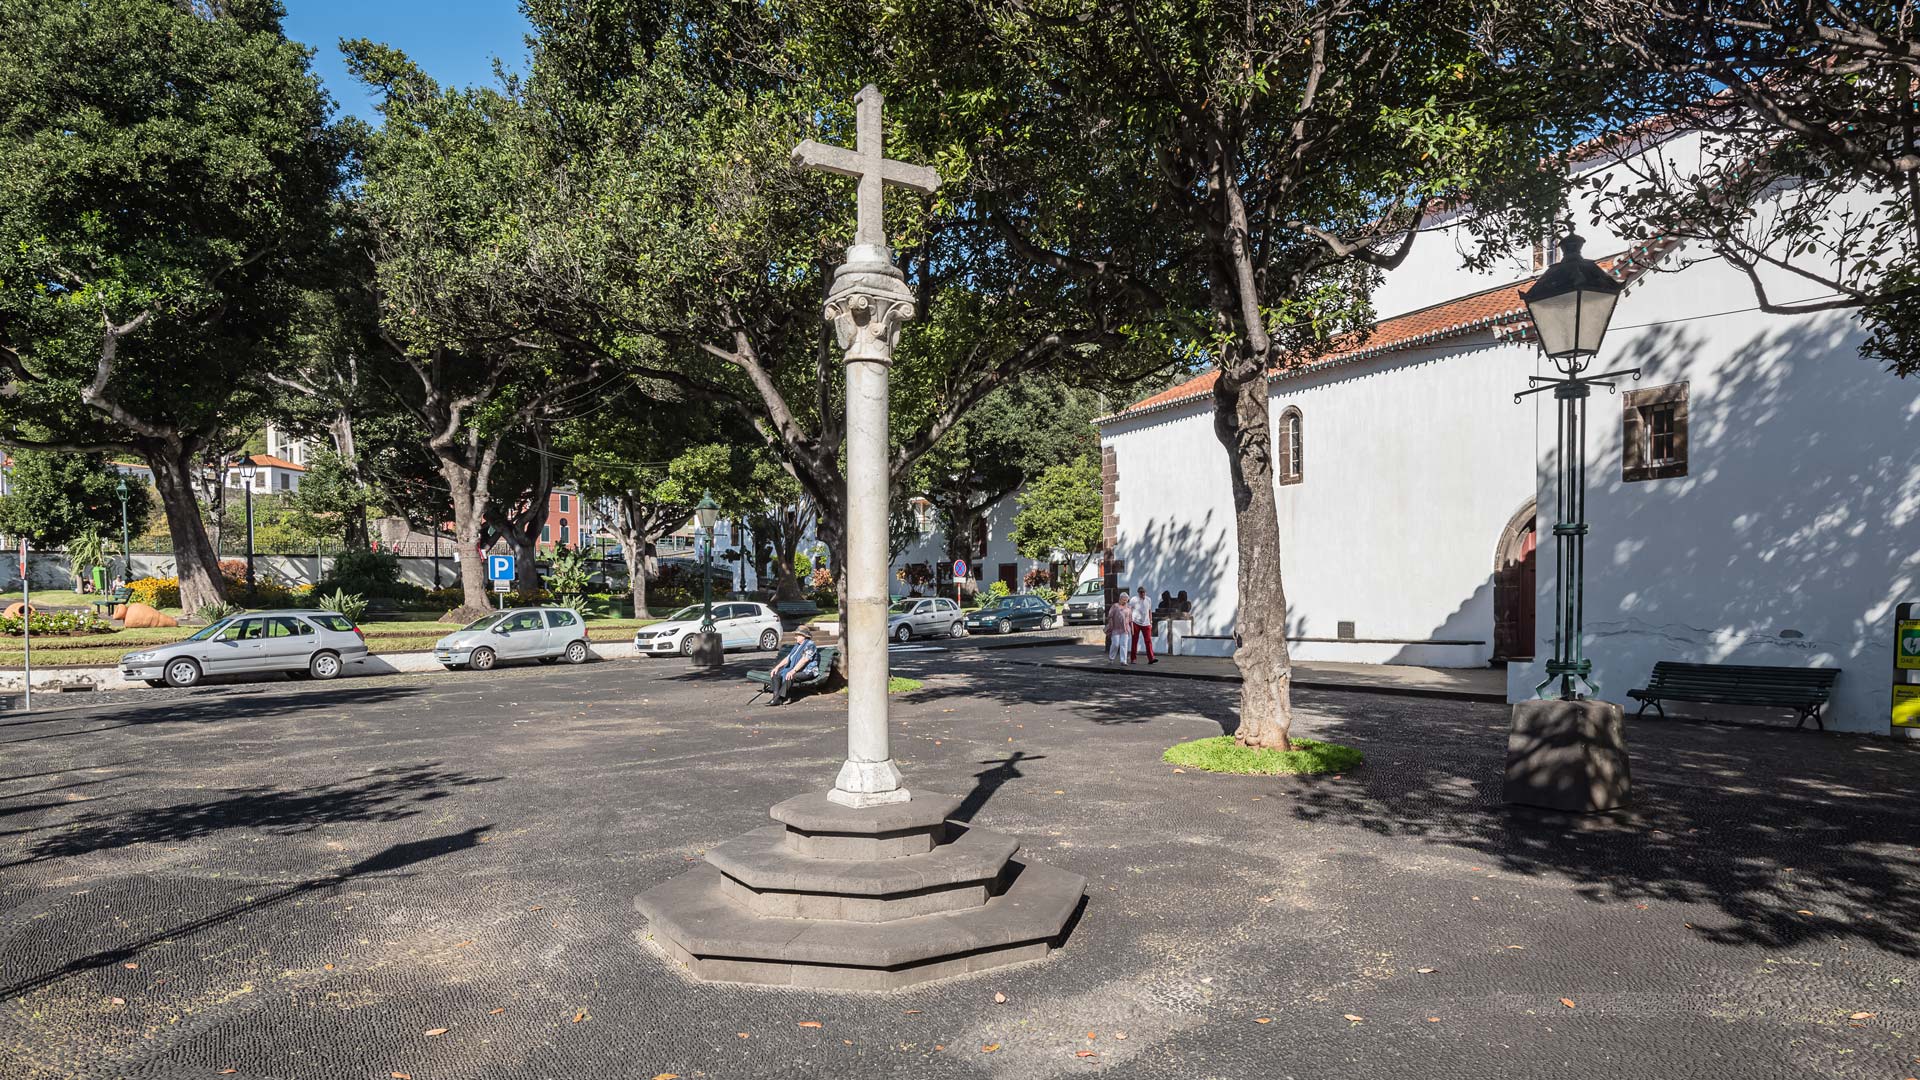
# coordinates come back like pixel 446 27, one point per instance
pixel 707 652
pixel 871 898
pixel 1569 756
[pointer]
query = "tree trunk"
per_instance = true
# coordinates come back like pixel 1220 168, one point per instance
pixel 1240 420
pixel 636 555
pixel 526 571
pixel 467 525
pixel 196 563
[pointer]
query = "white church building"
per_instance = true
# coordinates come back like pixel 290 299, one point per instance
pixel 1754 497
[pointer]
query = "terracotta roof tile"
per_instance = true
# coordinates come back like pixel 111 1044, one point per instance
pixel 1499 308
pixel 268 461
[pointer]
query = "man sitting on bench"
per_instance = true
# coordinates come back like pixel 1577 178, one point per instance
pixel 801 662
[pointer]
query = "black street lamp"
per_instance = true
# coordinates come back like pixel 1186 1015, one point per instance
pixel 707 512
pixel 1571 305
pixel 126 549
pixel 246 481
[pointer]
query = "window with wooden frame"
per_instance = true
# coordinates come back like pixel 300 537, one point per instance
pixel 1291 444
pixel 1654 433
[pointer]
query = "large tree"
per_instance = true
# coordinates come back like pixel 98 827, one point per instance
pixel 52 498
pixel 1240 172
pixel 1061 512
pixel 165 172
pixel 1808 178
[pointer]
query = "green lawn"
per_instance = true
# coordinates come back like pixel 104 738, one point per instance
pixel 382 637
pixel 1222 754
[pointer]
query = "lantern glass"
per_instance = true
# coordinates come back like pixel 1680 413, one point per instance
pixel 707 513
pixel 1572 304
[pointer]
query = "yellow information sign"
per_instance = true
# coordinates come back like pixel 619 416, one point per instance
pixel 1906 706
pixel 1907 642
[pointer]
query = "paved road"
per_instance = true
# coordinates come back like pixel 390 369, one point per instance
pixel 298 880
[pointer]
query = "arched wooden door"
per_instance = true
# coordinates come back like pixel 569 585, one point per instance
pixel 1513 588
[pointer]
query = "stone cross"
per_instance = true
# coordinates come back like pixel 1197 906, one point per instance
pixel 867 163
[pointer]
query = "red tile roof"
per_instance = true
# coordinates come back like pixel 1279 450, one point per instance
pixel 1499 308
pixel 268 461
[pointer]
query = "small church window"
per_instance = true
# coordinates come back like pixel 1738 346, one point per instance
pixel 1291 445
pixel 1654 433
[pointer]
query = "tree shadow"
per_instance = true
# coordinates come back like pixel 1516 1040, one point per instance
pixel 206 708
pixel 394 857
pixel 1104 701
pixel 386 795
pixel 989 780
pixel 1822 848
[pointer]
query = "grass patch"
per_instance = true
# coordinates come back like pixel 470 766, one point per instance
pixel 382 637
pixel 896 684
pixel 1222 754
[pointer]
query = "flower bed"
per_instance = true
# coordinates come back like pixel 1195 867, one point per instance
pixel 61 623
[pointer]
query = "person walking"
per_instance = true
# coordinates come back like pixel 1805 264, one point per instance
pixel 1118 623
pixel 1140 612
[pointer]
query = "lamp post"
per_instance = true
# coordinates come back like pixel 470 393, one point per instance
pixel 1569 752
pixel 246 482
pixel 126 549
pixel 707 512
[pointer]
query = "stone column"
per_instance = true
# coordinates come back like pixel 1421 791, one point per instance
pixel 866 306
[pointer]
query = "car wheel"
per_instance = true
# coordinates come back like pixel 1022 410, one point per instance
pixel 1005 626
pixel 686 645
pixel 182 672
pixel 324 665
pixel 155 682
pixel 481 660
pixel 904 634
pixel 958 629
pixel 576 652
pixel 769 640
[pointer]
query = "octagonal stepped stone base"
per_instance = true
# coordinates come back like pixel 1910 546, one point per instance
pixel 770 910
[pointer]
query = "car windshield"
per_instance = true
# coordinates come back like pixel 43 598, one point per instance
pixel 211 629
pixel 1089 588
pixel 691 611
pixel 997 605
pixel 482 624
pixel 905 607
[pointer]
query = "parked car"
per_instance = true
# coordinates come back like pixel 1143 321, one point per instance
pixel 545 634
pixel 916 616
pixel 305 644
pixel 1011 613
pixel 740 624
pixel 1088 604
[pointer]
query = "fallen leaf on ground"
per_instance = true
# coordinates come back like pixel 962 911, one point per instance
pixel 1802 911
pixel 118 1001
pixel 1356 1019
pixel 1568 1002
pixel 401 1076
pixel 989 1048
pixel 1424 971
pixel 326 967
pixel 1093 1035
pixel 1516 946
pixel 1057 791
pixel 1862 1016
pixel 1263 1019
pixel 131 967
pixel 496 1012
pixel 938 1046
pixel 1433 1019
pixel 463 944
pixel 435 1032
pixel 538 907
pixel 1179 770
pixel 1264 899
pixel 742 1034
pixel 1085 1053
pixel 999 998
pixel 809 1023
pixel 579 1016
pixel 667 1076
pixel 1119 1034
pixel 912 1012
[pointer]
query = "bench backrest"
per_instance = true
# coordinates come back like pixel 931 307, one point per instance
pixel 122 594
pixel 1753 682
pixel 827 655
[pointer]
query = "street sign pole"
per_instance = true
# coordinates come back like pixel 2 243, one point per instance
pixel 26 624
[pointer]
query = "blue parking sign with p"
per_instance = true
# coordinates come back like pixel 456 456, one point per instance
pixel 499 568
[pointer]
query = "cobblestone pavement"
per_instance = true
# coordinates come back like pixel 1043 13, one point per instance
pixel 432 877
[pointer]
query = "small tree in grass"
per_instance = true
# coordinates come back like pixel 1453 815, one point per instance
pixel 1061 512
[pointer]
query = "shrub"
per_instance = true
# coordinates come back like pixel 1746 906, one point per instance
pixel 352 605
pixel 215 610
pixel 822 578
pixel 234 570
pixel 997 591
pixel 368 573
pixel 68 623
pixel 271 594
pixel 1037 577
pixel 158 592
pixel 445 598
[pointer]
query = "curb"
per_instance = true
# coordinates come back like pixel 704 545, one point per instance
pixel 1299 684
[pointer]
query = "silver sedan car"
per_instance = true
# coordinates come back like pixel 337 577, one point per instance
pixel 304 644
pixel 543 634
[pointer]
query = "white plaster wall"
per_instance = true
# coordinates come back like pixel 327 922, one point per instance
pixel 1800 511
pixel 932 550
pixel 1414 464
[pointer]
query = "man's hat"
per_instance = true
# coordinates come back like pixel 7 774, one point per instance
pixel 806 630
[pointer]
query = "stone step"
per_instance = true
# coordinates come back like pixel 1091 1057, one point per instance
pixel 694 923
pixel 820 828
pixel 761 860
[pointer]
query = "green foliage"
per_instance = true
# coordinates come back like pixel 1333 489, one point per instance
pixel 216 610
pixel 998 590
pixel 54 498
pixel 1222 754
pixel 331 500
pixel 1061 511
pixel 84 552
pixel 66 623
pixel 367 573
pixel 567 571
pixel 353 606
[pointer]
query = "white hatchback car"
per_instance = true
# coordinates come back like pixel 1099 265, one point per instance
pixel 543 634
pixel 304 644
pixel 741 625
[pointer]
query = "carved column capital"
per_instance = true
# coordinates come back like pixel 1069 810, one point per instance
pixel 867 305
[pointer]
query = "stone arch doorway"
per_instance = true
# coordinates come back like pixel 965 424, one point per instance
pixel 1513 587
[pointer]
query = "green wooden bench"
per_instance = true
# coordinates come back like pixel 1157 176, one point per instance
pixel 120 596
pixel 765 678
pixel 1805 690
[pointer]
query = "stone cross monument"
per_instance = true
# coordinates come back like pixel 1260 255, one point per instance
pixel 868 302
pixel 862 887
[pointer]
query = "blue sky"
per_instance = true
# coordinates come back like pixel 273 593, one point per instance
pixel 455 41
